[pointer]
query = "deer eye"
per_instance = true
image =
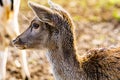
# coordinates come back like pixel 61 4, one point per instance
pixel 35 25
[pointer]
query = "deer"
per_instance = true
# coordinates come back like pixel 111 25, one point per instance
pixel 52 30
pixel 9 29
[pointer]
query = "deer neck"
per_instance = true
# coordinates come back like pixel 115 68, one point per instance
pixel 63 60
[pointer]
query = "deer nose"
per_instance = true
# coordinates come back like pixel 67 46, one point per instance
pixel 13 41
pixel 17 41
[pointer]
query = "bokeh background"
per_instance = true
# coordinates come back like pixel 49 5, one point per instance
pixel 97 24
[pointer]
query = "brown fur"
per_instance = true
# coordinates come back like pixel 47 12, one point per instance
pixel 102 64
pixel 55 34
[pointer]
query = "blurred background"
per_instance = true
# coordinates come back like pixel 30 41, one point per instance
pixel 97 24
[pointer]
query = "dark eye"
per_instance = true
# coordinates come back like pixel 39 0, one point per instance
pixel 35 25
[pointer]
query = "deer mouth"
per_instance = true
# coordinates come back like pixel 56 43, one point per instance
pixel 19 44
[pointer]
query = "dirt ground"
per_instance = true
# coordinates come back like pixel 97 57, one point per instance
pixel 104 32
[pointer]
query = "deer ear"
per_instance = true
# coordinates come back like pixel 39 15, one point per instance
pixel 45 14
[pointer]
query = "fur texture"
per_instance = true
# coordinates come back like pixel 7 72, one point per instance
pixel 53 30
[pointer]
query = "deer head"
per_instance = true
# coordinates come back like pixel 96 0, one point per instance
pixel 47 29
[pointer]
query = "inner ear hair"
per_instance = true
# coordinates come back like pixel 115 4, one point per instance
pixel 42 12
pixel 45 14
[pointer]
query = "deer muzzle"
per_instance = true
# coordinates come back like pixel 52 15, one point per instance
pixel 18 43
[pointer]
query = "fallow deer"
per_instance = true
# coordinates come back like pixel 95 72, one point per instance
pixel 53 30
pixel 9 29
